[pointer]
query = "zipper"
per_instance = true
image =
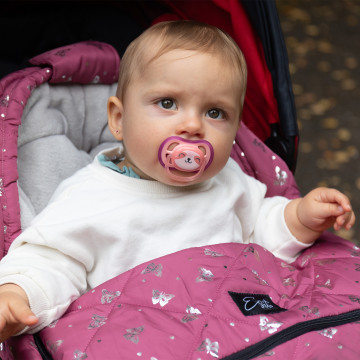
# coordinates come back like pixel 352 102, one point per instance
pixel 292 332
pixel 43 351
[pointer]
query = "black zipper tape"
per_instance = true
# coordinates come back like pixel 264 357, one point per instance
pixel 43 351
pixel 292 332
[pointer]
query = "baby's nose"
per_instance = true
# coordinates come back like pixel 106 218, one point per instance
pixel 191 126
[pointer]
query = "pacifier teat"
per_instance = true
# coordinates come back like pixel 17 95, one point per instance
pixel 188 156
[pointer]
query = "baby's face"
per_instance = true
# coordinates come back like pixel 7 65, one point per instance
pixel 183 93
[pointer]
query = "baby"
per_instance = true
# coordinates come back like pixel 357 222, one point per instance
pixel 171 186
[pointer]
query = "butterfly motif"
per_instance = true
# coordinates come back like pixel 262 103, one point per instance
pixel 205 275
pixel 270 326
pixel 192 314
pixel 355 251
pixel 306 258
pixel 108 296
pixel 357 267
pixel 53 324
pixel 314 310
pixel 257 277
pixel 249 249
pixel 153 269
pixel 354 298
pixel 161 298
pixel 325 262
pixel 329 333
pixel 212 253
pixel 327 284
pixel 79 355
pixel 133 334
pixel 253 251
pixel 287 266
pixel 97 321
pixel 62 52
pixel 289 282
pixel 211 348
pixel 53 347
pixel 269 353
pixel 4 101
pixel 281 176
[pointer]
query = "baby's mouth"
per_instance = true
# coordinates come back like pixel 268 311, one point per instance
pixel 185 160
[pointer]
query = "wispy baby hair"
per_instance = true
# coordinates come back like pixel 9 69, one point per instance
pixel 180 35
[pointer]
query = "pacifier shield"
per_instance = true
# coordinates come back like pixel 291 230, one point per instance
pixel 189 156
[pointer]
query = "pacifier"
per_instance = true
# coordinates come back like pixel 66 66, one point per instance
pixel 189 156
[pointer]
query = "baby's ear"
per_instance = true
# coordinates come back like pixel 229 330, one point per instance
pixel 115 117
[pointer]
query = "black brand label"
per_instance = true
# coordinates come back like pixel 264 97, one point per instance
pixel 255 304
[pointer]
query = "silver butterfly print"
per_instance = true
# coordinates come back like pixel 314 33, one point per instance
pixel 281 176
pixel 325 261
pixel 249 249
pixel 4 101
pixel 253 251
pixel 287 266
pixel 314 310
pixel 108 296
pixel 269 353
pixel 258 278
pixel 159 297
pixel 355 251
pixel 289 282
pixel 211 348
pixel 205 275
pixel 270 326
pixel 192 314
pixel 306 258
pixel 53 324
pixel 133 334
pixel 53 347
pixel 329 333
pixel 354 298
pixel 153 269
pixel 327 284
pixel 97 321
pixel 212 253
pixel 79 355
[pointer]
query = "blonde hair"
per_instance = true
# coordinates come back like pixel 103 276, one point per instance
pixel 180 35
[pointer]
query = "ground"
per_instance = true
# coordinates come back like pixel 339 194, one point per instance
pixel 322 38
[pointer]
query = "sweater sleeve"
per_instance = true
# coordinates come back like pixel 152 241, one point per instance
pixel 51 258
pixel 272 233
pixel 263 219
pixel 50 278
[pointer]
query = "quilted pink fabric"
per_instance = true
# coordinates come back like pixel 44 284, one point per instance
pixel 228 301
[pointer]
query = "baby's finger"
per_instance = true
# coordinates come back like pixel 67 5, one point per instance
pixel 329 210
pixel 346 220
pixel 336 197
pixel 349 220
pixel 23 314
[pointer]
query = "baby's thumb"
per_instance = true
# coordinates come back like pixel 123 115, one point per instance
pixel 24 315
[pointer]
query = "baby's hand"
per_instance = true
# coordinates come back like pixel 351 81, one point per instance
pixel 15 313
pixel 322 208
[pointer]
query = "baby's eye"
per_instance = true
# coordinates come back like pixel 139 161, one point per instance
pixel 215 114
pixel 167 104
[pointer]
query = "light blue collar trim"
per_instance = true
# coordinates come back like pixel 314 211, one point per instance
pixel 105 161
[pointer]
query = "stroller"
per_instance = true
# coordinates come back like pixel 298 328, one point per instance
pixel 307 309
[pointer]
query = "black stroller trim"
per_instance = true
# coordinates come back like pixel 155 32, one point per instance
pixel 265 20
